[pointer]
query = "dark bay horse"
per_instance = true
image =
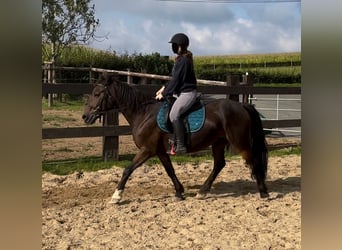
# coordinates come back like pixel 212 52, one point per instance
pixel 227 123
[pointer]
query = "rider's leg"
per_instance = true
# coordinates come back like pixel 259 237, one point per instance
pixel 181 105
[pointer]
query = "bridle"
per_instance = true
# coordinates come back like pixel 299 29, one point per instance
pixel 99 110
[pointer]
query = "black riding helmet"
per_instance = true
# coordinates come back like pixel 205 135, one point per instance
pixel 179 39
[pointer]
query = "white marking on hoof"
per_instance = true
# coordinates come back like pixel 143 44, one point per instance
pixel 116 197
pixel 200 196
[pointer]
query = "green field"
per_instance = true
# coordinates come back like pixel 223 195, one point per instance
pixel 272 68
pixel 282 68
pixel 252 59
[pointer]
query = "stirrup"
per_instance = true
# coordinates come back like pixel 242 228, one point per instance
pixel 171 151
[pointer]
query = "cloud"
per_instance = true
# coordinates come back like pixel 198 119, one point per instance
pixel 161 11
pixel 146 26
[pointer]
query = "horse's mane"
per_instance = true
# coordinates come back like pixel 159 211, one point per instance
pixel 130 97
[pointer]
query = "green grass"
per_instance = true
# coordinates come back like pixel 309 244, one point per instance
pixel 286 151
pixel 65 105
pixel 70 166
pixel 57 118
pixel 89 164
pixel 276 85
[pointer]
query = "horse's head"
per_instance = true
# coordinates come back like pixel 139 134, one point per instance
pixel 99 101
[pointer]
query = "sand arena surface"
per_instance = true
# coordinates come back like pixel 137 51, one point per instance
pixel 76 213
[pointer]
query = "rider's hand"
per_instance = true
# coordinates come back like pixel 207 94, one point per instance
pixel 160 91
pixel 159 96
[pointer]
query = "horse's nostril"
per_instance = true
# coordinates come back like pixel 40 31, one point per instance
pixel 84 116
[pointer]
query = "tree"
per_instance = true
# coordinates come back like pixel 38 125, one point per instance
pixel 67 22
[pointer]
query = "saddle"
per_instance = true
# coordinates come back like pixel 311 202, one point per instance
pixel 193 118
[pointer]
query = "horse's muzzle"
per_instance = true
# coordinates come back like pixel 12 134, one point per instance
pixel 90 118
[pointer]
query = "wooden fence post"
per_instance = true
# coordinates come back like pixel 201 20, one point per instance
pixel 129 77
pixel 54 73
pixel 247 80
pixel 110 149
pixel 45 77
pixel 49 80
pixel 90 75
pixel 233 80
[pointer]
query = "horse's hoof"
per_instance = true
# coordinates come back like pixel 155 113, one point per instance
pixel 175 198
pixel 178 198
pixel 264 195
pixel 116 197
pixel 114 201
pixel 201 196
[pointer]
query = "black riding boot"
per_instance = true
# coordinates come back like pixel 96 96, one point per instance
pixel 179 130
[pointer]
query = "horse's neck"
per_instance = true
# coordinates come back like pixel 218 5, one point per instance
pixel 128 112
pixel 128 107
pixel 138 119
pixel 129 117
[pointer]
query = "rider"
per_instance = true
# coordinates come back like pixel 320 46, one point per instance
pixel 182 86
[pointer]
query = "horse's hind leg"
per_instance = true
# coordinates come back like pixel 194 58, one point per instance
pixel 218 149
pixel 257 167
pixel 166 161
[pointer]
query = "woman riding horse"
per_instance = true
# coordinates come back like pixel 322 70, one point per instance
pixel 227 123
pixel 182 86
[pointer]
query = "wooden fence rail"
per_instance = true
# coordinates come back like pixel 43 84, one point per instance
pixel 47 69
pixel 79 132
pixel 111 131
pixel 81 88
pixel 115 130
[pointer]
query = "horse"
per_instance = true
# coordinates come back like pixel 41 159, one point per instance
pixel 227 124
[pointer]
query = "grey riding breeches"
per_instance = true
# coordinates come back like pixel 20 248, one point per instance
pixel 183 102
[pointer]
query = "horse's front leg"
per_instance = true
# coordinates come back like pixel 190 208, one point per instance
pixel 138 160
pixel 166 161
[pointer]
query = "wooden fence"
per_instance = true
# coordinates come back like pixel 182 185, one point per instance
pixel 110 131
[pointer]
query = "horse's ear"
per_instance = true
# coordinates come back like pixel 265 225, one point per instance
pixel 111 78
pixel 101 80
pixel 107 79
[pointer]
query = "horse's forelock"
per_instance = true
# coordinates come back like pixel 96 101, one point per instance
pixel 110 79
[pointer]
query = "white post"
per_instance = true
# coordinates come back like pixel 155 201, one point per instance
pixel 129 77
pixel 277 106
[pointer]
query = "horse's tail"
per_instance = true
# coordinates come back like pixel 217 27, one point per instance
pixel 259 146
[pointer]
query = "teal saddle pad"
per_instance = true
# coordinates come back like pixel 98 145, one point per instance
pixel 195 119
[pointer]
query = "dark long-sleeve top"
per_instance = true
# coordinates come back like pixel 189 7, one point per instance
pixel 183 77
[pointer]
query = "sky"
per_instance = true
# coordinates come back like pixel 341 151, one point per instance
pixel 146 26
